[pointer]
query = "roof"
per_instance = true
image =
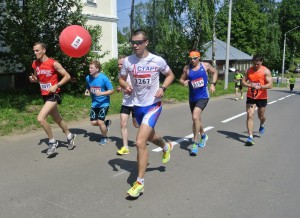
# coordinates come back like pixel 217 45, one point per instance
pixel 234 53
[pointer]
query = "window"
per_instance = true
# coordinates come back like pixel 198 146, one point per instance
pixel 92 3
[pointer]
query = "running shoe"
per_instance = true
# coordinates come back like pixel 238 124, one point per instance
pixel 136 189
pixel 194 150
pixel 52 147
pixel 236 98
pixel 71 142
pixel 250 141
pixel 203 140
pixel 167 154
pixel 103 141
pixel 261 129
pixel 123 150
pixel 107 124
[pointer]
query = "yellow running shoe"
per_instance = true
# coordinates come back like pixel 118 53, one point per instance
pixel 167 154
pixel 123 151
pixel 136 189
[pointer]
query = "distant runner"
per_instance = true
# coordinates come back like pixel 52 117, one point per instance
pixel 258 79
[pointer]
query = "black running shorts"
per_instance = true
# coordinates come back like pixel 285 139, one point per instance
pixel 127 110
pixel 257 102
pixel 201 103
pixel 53 97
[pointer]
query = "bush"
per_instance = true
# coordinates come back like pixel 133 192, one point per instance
pixel 111 69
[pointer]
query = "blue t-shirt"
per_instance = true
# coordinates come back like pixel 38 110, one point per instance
pixel 101 83
pixel 198 84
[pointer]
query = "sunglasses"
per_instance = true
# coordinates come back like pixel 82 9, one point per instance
pixel 137 42
pixel 194 58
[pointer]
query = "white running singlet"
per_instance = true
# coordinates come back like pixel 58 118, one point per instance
pixel 144 75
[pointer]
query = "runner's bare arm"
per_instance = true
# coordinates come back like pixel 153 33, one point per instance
pixel 269 80
pixel 183 78
pixel 124 85
pixel 210 69
pixel 65 75
pixel 245 79
pixel 168 80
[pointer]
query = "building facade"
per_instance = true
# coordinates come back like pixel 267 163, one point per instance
pixel 104 13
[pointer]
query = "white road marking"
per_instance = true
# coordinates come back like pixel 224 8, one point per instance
pixel 187 138
pixel 234 117
pixel 272 102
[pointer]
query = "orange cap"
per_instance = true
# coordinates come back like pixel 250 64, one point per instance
pixel 194 54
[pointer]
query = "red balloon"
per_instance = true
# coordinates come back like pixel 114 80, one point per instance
pixel 75 41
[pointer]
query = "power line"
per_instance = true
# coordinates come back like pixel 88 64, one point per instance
pixel 123 9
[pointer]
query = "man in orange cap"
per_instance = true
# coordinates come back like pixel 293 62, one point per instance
pixel 195 76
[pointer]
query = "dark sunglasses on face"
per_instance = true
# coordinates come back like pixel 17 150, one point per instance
pixel 194 58
pixel 137 42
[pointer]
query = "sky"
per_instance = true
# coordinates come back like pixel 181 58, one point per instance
pixel 123 11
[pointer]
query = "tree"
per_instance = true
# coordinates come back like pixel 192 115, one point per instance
pixel 174 27
pixel 254 28
pixel 288 19
pixel 25 22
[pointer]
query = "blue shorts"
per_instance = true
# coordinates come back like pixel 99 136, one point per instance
pixel 148 114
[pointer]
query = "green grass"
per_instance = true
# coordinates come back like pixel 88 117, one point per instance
pixel 19 110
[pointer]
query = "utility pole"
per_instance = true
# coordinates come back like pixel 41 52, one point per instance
pixel 228 46
pixel 153 25
pixel 283 56
pixel 131 17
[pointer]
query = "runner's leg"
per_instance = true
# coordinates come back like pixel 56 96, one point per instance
pixel 41 118
pixel 143 135
pixel 250 108
pixel 58 119
pixel 124 130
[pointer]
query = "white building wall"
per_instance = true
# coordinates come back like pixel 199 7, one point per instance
pixel 104 13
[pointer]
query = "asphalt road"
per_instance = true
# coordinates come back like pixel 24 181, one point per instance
pixel 226 179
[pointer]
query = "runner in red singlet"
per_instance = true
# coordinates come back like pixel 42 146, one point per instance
pixel 46 72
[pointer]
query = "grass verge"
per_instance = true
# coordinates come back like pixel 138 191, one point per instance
pixel 19 110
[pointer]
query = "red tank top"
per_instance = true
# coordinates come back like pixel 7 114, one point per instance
pixel 257 77
pixel 46 74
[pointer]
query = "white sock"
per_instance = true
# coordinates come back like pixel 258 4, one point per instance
pixel 166 147
pixel 251 136
pixel 69 136
pixel 141 180
pixel 52 140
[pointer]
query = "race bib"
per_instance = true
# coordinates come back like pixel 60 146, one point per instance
pixel 45 86
pixel 197 83
pixel 143 80
pixel 95 89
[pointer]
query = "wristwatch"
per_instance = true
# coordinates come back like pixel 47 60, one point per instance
pixel 163 88
pixel 213 83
